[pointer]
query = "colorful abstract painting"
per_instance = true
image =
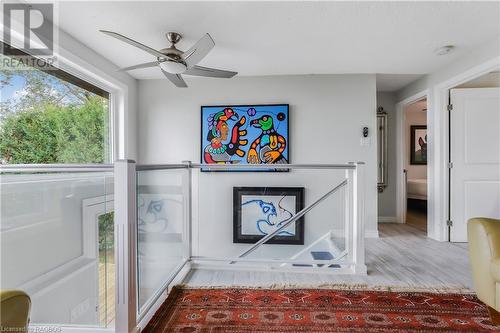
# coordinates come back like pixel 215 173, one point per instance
pixel 245 134
pixel 259 211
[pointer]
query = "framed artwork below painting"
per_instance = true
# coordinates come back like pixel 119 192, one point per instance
pixel 258 211
pixel 245 134
pixel 418 145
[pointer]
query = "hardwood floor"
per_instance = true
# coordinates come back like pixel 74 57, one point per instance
pixel 416 219
pixel 416 214
pixel 402 257
pixel 107 294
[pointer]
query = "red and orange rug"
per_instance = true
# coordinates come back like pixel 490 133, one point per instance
pixel 318 310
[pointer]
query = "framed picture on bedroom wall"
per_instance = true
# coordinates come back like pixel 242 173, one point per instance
pixel 245 134
pixel 418 145
pixel 258 211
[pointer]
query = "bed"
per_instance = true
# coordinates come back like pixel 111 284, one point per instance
pixel 416 189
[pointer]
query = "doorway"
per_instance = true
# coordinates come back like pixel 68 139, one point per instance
pixel 415 163
pixel 474 152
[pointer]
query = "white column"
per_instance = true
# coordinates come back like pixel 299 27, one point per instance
pixel 125 246
pixel 188 211
pixel 349 216
pixel 358 220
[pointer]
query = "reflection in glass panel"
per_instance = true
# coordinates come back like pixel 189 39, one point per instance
pixel 160 222
pixel 51 244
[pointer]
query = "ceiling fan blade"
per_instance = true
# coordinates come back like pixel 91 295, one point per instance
pixel 134 43
pixel 145 65
pixel 199 50
pixel 209 72
pixel 175 79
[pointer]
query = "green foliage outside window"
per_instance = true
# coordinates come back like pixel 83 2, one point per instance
pixel 48 120
pixel 55 134
pixel 106 237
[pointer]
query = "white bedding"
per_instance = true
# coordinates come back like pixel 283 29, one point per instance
pixel 416 189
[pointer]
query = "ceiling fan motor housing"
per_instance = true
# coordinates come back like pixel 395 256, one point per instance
pixel 173 62
pixel 174 67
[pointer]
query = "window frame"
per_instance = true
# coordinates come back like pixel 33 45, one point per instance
pixel 86 76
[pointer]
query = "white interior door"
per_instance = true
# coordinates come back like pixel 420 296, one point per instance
pixel 475 154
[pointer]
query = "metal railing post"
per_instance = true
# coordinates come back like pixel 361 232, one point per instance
pixel 358 225
pixel 125 246
pixel 188 219
pixel 349 216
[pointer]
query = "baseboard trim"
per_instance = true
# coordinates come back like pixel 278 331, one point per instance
pixel 387 219
pixel 371 233
pixel 368 233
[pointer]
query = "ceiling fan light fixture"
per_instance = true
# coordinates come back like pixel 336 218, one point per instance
pixel 173 67
pixel 174 62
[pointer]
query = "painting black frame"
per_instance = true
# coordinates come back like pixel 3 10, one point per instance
pixel 243 106
pixel 413 129
pixel 238 192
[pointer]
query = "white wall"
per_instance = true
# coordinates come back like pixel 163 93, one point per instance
pixel 387 199
pixel 327 114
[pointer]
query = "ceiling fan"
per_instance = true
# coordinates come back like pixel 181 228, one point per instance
pixel 173 62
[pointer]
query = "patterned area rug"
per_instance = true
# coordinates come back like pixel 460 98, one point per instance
pixel 318 310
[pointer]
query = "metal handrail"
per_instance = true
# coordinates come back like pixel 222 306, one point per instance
pixel 272 166
pixel 51 168
pixel 189 165
pixel 292 220
pixel 149 167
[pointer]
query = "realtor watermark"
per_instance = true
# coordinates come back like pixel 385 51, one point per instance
pixel 29 35
pixel 32 329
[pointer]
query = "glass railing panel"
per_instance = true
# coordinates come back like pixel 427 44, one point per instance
pixel 232 211
pixel 56 232
pixel 323 236
pixel 161 248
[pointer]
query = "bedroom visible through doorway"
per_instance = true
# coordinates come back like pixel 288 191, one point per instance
pixel 415 163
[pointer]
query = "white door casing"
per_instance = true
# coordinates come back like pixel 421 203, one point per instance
pixel 92 208
pixel 475 156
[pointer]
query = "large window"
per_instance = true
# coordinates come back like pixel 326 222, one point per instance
pixel 50 116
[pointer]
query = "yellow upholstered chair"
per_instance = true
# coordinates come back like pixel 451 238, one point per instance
pixel 14 311
pixel 484 252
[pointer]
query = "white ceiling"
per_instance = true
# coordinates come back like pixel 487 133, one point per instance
pixel 393 82
pixel 275 38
